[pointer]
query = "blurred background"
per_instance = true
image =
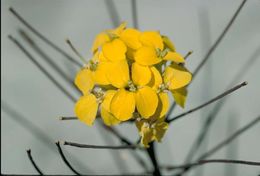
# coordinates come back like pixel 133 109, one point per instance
pixel 191 25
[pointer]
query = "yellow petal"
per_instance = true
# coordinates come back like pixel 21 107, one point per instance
pixel 100 73
pixel 163 106
pixel 118 73
pixel 108 118
pixel 100 39
pixel 156 79
pixel 168 44
pixel 114 50
pixel 131 38
pixel 101 57
pixel 175 57
pixel 141 75
pixel 123 105
pixel 130 54
pixel 152 38
pixel 84 81
pixel 146 101
pixel 180 96
pixel 117 31
pixel 86 109
pixel 159 130
pixel 146 56
pixel 176 76
pixel 147 136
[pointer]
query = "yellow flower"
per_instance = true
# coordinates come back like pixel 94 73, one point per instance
pixel 151 130
pixel 87 106
pixel 153 51
pixel 130 77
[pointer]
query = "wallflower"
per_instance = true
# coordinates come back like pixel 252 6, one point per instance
pixel 130 77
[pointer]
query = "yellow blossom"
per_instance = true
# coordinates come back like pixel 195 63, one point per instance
pixel 130 76
pixel 151 131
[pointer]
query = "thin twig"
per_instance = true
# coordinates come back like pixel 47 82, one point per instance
pixel 213 114
pixel 202 162
pixel 65 160
pixel 45 72
pixel 153 157
pixel 35 131
pixel 230 138
pixel 224 142
pixel 100 146
pixel 49 61
pixel 116 133
pixel 112 11
pixel 75 51
pixel 134 13
pixel 188 54
pixel 68 118
pixel 213 47
pixel 42 37
pixel 209 102
pixel 33 162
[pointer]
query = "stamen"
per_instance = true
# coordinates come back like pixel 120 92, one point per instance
pixel 93 65
pixel 99 94
pixel 132 87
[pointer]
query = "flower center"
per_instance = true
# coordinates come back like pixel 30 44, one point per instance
pixel 99 94
pixel 93 65
pixel 161 53
pixel 131 86
pixel 162 88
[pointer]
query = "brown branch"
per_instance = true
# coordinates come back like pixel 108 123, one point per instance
pixel 219 39
pixel 43 38
pixel 230 138
pixel 75 51
pixel 33 162
pixel 68 118
pixel 225 142
pixel 202 162
pixel 208 102
pixel 213 114
pixel 101 147
pixel 213 47
pixel 65 160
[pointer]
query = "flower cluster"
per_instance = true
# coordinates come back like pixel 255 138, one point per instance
pixel 129 78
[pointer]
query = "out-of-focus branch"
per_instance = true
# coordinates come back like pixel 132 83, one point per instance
pixel 213 114
pixel 43 38
pixel 224 142
pixel 65 160
pixel 208 102
pixel 214 46
pixel 45 72
pixel 134 13
pixel 113 13
pixel 49 60
pixel 33 162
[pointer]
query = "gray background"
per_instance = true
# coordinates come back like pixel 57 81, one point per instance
pixel 191 24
